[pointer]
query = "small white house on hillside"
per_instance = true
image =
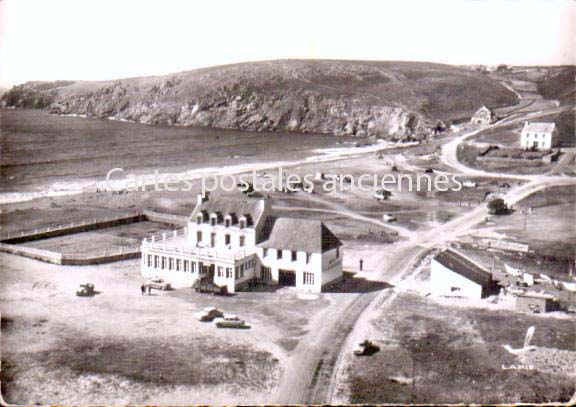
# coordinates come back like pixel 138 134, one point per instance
pixel 453 275
pixel 538 136
pixel 483 116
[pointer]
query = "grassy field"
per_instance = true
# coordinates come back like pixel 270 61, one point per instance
pixel 468 154
pixel 457 356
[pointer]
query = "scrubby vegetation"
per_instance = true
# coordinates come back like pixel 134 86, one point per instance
pixel 392 100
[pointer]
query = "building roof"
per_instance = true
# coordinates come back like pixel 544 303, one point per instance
pixel 484 107
pixel 236 207
pixel 463 266
pixel 538 127
pixel 305 235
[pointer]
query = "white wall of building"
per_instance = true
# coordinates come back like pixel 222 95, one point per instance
pixel 178 276
pixel 537 140
pixel 445 282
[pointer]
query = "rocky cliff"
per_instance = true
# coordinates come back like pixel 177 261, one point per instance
pixel 391 100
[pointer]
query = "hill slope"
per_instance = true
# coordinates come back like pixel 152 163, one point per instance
pixel 392 100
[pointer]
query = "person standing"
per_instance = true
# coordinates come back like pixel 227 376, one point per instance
pixel 143 288
pixel 149 289
pixel 361 264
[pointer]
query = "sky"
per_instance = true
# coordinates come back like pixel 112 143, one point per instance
pixel 108 39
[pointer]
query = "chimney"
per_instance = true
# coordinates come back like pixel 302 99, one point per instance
pixel 265 204
pixel 202 198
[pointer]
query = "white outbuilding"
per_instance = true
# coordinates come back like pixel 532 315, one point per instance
pixel 454 275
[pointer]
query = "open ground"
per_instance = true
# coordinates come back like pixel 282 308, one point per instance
pixel 124 347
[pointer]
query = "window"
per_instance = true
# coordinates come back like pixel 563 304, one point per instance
pixel 199 219
pixel 308 278
pixel 278 254
pixel 199 236
pixel 178 264
pixel 452 289
pixel 149 260
pixel 294 255
pixel 220 271
pixel 308 255
pixel 170 263
pixel 242 241
pixel 193 266
pixel 226 239
pixel 163 264
pixel 213 221
pixel 265 252
pixel 187 265
pixel 242 223
pixel 155 262
pixel 227 223
pixel 212 239
pixel 228 272
pixel 337 252
pixel 266 274
pixel 237 272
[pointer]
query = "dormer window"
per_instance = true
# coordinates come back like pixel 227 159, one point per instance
pixel 227 222
pixel 199 218
pixel 242 223
pixel 213 220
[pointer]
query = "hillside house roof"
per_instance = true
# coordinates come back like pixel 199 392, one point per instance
pixel 306 235
pixel 538 127
pixel 464 266
pixel 235 207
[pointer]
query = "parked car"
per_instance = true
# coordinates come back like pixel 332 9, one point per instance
pixel 366 348
pixel 86 290
pixel 388 217
pixel 382 194
pixel 229 321
pixel 158 284
pixel 208 314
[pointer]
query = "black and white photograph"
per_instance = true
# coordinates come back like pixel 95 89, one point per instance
pixel 271 202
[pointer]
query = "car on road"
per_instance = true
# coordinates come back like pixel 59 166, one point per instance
pixel 388 217
pixel 382 194
pixel 230 321
pixel 429 171
pixel 208 314
pixel 158 284
pixel 86 290
pixel 365 348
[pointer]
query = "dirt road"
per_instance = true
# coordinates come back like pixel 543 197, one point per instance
pixel 314 368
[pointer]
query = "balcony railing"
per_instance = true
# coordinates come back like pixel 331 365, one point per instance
pixel 207 253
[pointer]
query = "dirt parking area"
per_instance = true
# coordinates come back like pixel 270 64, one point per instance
pixel 437 353
pixel 121 347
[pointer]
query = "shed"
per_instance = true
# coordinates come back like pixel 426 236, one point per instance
pixel 534 302
pixel 454 275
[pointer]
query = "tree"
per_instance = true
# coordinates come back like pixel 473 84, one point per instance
pixel 498 207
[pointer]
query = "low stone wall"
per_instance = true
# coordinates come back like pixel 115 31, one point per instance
pixel 37 254
pixel 68 259
pixel 71 229
pixel 545 158
pixel 11 243
pixel 165 218
pixel 79 260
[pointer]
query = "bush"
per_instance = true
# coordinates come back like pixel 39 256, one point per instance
pixel 498 207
